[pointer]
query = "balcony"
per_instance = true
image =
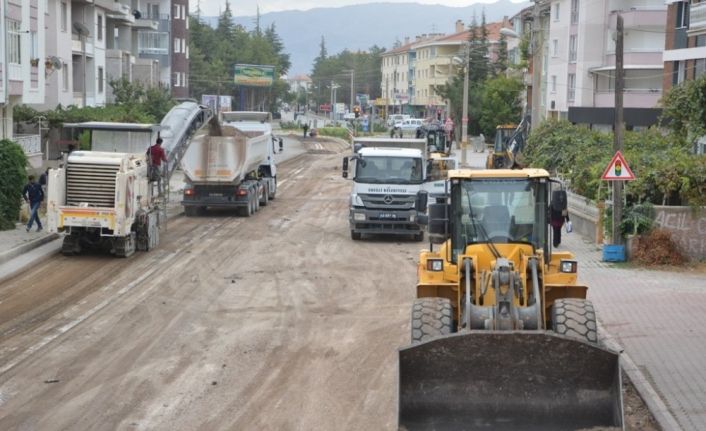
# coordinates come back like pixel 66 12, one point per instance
pixel 697 19
pixel 76 45
pixel 636 18
pixel 650 57
pixel 146 24
pixel 632 98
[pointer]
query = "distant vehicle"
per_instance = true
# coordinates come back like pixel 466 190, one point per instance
pixel 396 118
pixel 349 116
pixel 410 126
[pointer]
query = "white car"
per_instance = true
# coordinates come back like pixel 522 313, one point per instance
pixel 409 126
pixel 393 119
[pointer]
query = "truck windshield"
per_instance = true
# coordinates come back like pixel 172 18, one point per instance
pixel 498 211
pixel 389 170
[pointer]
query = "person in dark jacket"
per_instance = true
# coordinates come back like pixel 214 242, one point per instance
pixel 33 195
pixel 556 220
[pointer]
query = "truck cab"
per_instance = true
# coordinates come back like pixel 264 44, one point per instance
pixel 385 184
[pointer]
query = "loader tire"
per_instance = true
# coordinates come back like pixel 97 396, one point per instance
pixel 575 318
pixel 431 318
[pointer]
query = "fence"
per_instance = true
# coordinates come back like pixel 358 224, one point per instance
pixel 31 144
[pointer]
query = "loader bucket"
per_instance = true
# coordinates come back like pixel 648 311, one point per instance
pixel 508 380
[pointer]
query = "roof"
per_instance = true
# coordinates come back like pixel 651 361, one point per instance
pixel 104 125
pixel 499 173
pixel 413 44
pixel 304 78
pixel 493 35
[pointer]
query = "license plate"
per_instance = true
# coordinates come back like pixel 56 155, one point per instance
pixel 387 216
pixel 216 194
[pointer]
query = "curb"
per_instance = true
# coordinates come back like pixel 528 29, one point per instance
pixel 644 388
pixel 26 247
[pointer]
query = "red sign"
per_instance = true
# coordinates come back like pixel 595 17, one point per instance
pixel 464 120
pixel 618 169
pixel 325 107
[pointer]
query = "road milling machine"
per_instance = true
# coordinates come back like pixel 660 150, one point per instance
pixel 104 198
pixel 502 335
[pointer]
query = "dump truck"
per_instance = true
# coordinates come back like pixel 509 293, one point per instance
pixel 502 335
pixel 507 148
pixel 230 164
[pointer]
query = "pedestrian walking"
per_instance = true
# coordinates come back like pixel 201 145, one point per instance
pixel 480 144
pixel 43 179
pixel 156 157
pixel 33 195
pixel 449 129
pixel 556 220
pixel 306 128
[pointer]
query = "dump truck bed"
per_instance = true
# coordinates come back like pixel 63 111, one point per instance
pixel 225 153
pixel 508 380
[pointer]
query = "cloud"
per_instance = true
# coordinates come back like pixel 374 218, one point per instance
pixel 249 7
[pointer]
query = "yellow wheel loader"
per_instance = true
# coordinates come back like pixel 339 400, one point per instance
pixel 507 149
pixel 503 337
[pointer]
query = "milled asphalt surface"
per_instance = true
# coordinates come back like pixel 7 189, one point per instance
pixel 656 316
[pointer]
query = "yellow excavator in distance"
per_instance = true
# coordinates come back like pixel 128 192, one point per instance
pixel 502 335
pixel 510 140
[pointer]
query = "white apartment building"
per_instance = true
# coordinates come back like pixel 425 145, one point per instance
pixel 579 82
pixel 22 68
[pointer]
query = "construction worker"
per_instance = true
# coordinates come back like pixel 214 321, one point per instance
pixel 156 157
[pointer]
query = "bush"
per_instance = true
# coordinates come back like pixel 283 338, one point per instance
pixel 13 163
pixel 336 132
pixel 657 248
pixel 289 125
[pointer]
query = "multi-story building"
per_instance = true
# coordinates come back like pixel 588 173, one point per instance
pixel 685 45
pixel 180 48
pixel 580 72
pixel 22 65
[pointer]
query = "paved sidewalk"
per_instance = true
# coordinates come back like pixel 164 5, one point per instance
pixel 658 318
pixel 15 242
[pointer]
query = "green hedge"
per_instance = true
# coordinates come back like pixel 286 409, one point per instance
pixel 13 163
pixel 336 132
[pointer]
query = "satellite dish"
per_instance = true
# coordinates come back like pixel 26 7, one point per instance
pixel 81 29
pixel 56 62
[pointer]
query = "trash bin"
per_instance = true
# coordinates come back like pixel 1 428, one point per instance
pixel 613 253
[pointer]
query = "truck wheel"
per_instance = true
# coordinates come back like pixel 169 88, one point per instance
pixel 419 237
pixel 274 189
pixel 356 236
pixel 265 196
pixel 70 245
pixel 575 318
pixel 431 318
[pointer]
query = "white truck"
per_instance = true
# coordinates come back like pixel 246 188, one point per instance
pixel 103 198
pixel 230 164
pixel 387 174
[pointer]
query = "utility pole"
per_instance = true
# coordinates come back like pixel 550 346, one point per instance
pixel 618 132
pixel 352 89
pixel 331 107
pixel 464 120
pixel 535 46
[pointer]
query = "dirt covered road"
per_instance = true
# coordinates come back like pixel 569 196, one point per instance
pixel 278 321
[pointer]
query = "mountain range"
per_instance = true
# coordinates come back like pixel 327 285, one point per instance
pixel 361 26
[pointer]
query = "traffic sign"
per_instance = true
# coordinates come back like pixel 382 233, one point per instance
pixel 618 169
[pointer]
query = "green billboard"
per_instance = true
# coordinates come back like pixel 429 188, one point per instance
pixel 253 75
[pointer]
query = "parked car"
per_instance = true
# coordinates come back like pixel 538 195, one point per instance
pixel 409 126
pixel 393 119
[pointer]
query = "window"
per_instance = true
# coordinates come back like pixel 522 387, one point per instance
pixel 574 11
pixel 65 76
pixel 556 11
pixel 699 67
pixel 187 23
pixel 187 52
pixel 64 15
pixel 13 41
pixel 154 11
pixel 176 11
pixel 100 27
pixel 553 83
pixel 572 48
pixel 682 15
pixel 100 79
pixel 177 45
pixel 177 79
pixel 183 46
pixel 555 47
pixel 34 45
pixel 571 93
pixel 152 42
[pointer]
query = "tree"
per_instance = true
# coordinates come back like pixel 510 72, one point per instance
pixel 501 62
pixel 126 92
pixel 684 108
pixel 13 164
pixel 500 103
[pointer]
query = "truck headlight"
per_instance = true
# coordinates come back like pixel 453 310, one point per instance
pixel 435 265
pixel 358 216
pixel 412 217
pixel 569 266
pixel 356 201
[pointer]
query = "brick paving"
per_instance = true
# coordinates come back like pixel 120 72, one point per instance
pixel 658 317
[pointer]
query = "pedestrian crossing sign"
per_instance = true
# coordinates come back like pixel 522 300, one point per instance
pixel 618 169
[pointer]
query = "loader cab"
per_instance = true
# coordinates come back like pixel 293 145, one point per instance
pixel 492 210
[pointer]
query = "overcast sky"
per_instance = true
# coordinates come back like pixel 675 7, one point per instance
pixel 249 7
